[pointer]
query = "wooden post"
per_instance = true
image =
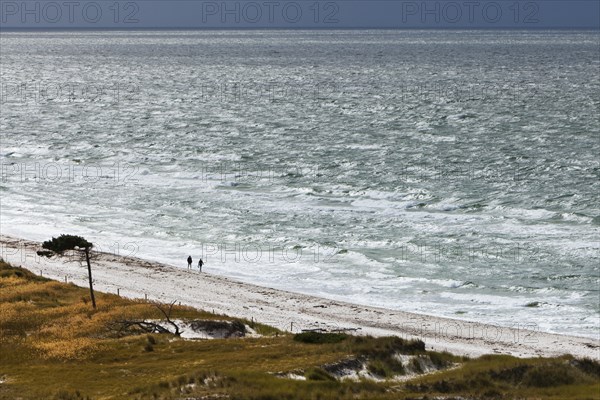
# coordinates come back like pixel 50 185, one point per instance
pixel 146 296
pixel 292 326
pixel 118 294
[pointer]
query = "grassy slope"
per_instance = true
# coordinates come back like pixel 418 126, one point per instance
pixel 52 345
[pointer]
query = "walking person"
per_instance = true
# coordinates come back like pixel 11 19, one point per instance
pixel 189 260
pixel 200 264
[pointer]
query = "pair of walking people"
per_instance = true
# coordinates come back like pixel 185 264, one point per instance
pixel 200 263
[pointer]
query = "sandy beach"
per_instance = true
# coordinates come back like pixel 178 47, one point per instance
pixel 137 278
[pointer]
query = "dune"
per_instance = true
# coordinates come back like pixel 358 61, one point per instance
pixel 138 278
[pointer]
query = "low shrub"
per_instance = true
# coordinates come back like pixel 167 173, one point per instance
pixel 320 337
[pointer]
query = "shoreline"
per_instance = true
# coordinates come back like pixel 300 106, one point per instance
pixel 288 311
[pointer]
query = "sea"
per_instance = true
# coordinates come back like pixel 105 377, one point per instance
pixel 451 173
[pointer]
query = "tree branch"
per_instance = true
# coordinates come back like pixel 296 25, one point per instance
pixel 148 326
pixel 167 315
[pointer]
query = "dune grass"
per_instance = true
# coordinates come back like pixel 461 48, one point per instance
pixel 54 346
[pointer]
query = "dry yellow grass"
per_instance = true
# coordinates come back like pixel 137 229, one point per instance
pixel 53 345
pixel 56 319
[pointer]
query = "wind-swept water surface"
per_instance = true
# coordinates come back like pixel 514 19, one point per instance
pixel 450 173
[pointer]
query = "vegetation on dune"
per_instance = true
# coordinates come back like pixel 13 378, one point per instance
pixel 54 346
pixel 318 337
pixel 71 242
pixel 66 242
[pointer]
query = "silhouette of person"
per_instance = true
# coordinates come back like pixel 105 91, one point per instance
pixel 200 264
pixel 189 260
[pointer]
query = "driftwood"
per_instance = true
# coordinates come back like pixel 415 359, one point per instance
pixel 145 326
pixel 167 314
